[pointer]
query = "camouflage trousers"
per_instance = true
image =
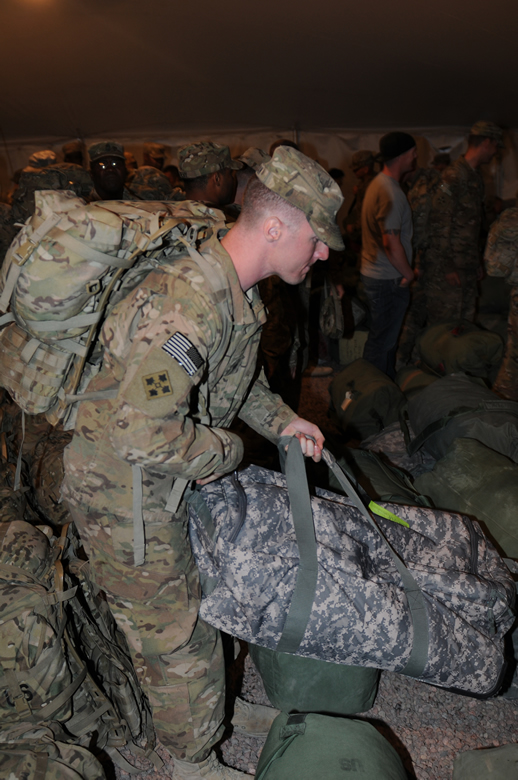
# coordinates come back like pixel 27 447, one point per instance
pixel 446 303
pixel 506 382
pixel 413 324
pixel 178 658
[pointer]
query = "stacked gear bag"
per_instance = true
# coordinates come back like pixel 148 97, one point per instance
pixel 449 348
pixel 69 264
pixel 407 589
pixel 65 673
pixel 458 406
pixel 307 746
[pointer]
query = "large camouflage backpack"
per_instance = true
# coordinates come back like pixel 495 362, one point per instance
pixel 63 660
pixel 66 268
pixel 40 756
pixel 500 255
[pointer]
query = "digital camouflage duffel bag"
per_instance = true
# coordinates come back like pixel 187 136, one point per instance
pixel 408 589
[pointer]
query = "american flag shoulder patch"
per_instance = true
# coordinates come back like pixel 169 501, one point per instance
pixel 184 352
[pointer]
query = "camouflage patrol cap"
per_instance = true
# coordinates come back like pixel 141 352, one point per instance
pixel 43 159
pixel 155 151
pixel 72 147
pixel 204 157
pixel 105 149
pixel 487 130
pixel 149 183
pixel 362 158
pixel 253 157
pixel 306 185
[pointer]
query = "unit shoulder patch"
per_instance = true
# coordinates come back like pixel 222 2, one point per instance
pixel 157 385
pixel 184 352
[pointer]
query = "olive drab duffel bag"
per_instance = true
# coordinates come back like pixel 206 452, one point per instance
pixel 456 407
pixel 65 269
pixel 407 589
pixel 364 399
pixel 449 348
pixel 297 684
pixel 412 379
pixel 307 746
pixel 500 763
pixel 477 481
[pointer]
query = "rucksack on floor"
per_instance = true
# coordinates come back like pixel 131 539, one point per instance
pixel 40 756
pixel 70 263
pixel 61 660
pixel 364 399
pixel 477 481
pixel 457 406
pixel 450 348
pixel 407 589
pixel 500 763
pixel 308 746
pixel 412 379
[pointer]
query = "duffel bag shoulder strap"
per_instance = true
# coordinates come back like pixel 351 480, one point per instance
pixel 304 592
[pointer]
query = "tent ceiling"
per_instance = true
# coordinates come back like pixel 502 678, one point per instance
pixel 139 66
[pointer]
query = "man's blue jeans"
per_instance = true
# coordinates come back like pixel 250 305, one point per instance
pixel 388 302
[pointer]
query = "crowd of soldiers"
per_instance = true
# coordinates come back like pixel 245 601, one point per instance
pixel 281 209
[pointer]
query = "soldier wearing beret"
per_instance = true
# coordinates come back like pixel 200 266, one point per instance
pixel 181 352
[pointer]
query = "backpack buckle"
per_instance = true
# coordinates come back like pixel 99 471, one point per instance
pixel 94 287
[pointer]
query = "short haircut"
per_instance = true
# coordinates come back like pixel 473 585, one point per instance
pixel 200 182
pixel 260 202
pixel 474 141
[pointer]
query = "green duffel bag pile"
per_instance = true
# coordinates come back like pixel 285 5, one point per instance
pixel 308 746
pixel 380 480
pixel 365 400
pixel 499 763
pixel 297 684
pixel 477 481
pixel 449 348
pixel 411 380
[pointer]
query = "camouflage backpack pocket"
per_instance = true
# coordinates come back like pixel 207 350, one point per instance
pixel 32 372
pixel 48 760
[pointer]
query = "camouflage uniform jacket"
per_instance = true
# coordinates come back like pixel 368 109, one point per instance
pixel 456 218
pixel 156 420
pixel 420 197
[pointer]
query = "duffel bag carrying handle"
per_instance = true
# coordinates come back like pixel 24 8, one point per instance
pixel 297 619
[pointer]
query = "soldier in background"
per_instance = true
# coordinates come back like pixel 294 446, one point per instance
pixel 362 165
pixel 501 259
pixel 154 155
pixel 169 423
pixel 131 166
pixel 282 142
pixel 108 171
pixel 152 184
pixel 208 173
pixel 453 257
pixel 73 153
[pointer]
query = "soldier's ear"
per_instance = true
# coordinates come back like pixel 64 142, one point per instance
pixel 272 229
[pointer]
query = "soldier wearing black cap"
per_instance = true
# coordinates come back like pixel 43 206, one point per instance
pixel 386 259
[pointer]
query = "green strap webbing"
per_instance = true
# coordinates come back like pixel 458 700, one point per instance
pixel 40 770
pixel 87 252
pixel 419 654
pixel 498 405
pixel 176 494
pixel 139 541
pixel 307 575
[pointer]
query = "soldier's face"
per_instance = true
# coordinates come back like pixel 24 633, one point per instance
pixel 302 250
pixel 110 173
